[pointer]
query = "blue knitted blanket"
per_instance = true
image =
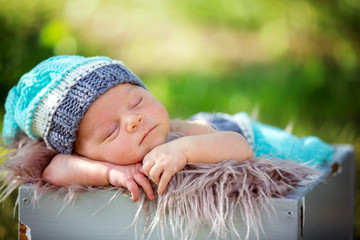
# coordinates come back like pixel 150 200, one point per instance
pixel 271 141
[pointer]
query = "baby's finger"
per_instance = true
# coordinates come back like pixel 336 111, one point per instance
pixel 155 174
pixel 147 165
pixel 141 169
pixel 134 189
pixel 165 178
pixel 145 184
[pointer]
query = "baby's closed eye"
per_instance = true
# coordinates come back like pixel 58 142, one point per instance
pixel 135 102
pixel 111 131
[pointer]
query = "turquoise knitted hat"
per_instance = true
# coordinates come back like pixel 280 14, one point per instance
pixel 49 101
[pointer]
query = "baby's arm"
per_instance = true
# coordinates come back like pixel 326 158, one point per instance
pixel 189 128
pixel 65 170
pixel 210 143
pixel 165 160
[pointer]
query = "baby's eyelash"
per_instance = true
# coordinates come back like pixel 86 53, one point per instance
pixel 135 103
pixel 111 130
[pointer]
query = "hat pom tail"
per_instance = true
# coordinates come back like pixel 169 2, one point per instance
pixel 10 126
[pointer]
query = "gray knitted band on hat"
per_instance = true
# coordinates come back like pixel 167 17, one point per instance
pixel 66 119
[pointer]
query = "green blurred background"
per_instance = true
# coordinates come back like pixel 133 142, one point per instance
pixel 290 63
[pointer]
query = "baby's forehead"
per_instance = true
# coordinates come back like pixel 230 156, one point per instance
pixel 102 109
pixel 114 95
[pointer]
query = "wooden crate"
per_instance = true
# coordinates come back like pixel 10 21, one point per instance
pixel 323 210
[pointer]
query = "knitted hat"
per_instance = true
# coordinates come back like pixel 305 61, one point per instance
pixel 51 99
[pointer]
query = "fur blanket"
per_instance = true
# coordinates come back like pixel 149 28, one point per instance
pixel 200 194
pixel 211 194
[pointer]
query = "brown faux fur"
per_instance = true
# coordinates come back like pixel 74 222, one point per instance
pixel 200 194
pixel 25 162
pixel 211 194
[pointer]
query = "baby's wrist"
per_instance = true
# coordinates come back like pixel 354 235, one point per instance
pixel 109 172
pixel 186 148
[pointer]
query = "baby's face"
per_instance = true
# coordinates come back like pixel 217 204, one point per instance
pixel 122 126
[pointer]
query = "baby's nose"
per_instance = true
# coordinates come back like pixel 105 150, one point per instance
pixel 133 122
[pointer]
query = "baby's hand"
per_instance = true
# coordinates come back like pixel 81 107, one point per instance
pixel 161 163
pixel 130 176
